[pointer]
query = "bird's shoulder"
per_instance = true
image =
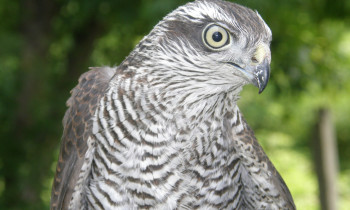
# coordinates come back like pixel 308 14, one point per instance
pixel 253 155
pixel 77 124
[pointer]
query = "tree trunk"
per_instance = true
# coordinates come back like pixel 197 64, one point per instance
pixel 326 160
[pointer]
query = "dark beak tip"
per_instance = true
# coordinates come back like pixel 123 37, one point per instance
pixel 262 84
pixel 261 90
pixel 258 82
pixel 262 77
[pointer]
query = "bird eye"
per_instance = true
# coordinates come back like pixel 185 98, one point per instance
pixel 215 36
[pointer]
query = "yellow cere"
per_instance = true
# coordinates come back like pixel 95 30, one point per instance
pixel 260 53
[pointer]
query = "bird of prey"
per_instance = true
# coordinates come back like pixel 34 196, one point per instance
pixel 163 130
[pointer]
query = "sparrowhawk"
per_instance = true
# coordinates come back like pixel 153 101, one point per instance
pixel 163 130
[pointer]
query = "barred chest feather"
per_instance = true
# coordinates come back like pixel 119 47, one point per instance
pixel 153 153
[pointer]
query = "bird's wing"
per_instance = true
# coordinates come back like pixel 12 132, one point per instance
pixel 77 124
pixel 275 178
pixel 249 149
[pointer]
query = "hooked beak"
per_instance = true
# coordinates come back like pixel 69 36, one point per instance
pixel 258 75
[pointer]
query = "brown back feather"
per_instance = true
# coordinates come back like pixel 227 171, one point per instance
pixel 77 123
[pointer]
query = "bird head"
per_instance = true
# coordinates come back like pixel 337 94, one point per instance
pixel 215 43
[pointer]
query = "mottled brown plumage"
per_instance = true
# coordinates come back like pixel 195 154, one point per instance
pixel 77 123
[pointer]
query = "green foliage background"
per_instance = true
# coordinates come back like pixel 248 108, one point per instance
pixel 46 45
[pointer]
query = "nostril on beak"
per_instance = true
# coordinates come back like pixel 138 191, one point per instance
pixel 254 60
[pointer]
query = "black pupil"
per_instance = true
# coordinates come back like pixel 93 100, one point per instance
pixel 217 36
